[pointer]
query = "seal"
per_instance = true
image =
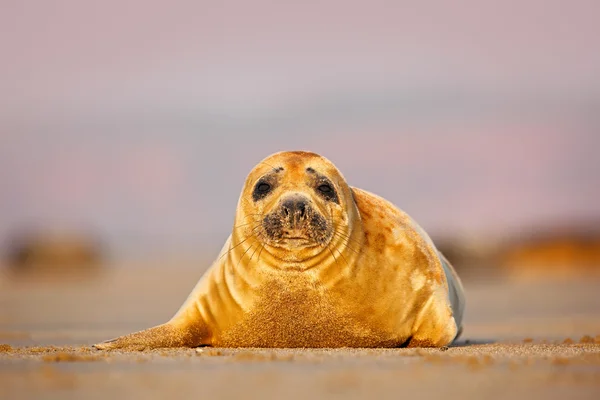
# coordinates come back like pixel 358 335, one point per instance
pixel 313 262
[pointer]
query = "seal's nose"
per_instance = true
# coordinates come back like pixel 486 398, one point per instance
pixel 294 208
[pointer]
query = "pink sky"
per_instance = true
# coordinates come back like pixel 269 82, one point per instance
pixel 143 118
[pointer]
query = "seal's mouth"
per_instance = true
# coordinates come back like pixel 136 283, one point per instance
pixel 296 239
pixel 294 234
pixel 295 223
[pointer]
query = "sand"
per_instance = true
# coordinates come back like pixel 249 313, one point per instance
pixel 522 340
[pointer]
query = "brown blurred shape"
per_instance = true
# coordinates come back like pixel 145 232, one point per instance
pixel 559 251
pixel 472 259
pixel 43 251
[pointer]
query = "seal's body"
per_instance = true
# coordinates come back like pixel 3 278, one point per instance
pixel 312 262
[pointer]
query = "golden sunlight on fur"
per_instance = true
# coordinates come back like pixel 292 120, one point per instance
pixel 313 262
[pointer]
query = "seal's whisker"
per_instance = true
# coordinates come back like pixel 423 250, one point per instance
pixel 255 217
pixel 247 223
pixel 348 236
pixel 266 163
pixel 347 241
pixel 240 260
pixel 242 241
pixel 345 236
pixel 339 233
pixel 254 252
pixel 329 248
pixel 260 240
pixel 261 249
pixel 342 255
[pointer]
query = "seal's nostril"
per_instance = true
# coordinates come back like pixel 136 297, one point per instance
pixel 301 206
pixel 294 207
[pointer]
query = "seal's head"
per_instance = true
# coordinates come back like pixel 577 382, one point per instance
pixel 295 204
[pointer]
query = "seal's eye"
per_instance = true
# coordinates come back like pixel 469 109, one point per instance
pixel 261 189
pixel 327 191
pixel 325 188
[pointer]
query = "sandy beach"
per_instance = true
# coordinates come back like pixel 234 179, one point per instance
pixel 522 339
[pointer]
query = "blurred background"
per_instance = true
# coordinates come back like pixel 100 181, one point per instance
pixel 128 127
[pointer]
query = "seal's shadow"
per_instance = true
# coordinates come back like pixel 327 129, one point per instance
pixel 471 342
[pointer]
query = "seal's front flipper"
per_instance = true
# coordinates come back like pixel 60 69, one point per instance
pixel 161 336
